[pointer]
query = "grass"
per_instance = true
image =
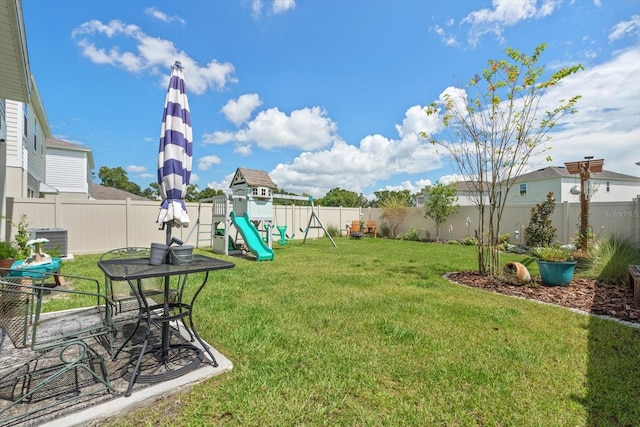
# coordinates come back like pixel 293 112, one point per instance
pixel 369 333
pixel 610 259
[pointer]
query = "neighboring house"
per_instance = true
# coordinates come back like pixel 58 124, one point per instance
pixel 606 186
pixel 532 188
pixel 100 192
pixel 468 193
pixel 69 168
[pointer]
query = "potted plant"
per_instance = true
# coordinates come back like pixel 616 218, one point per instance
pixel 556 265
pixel 8 254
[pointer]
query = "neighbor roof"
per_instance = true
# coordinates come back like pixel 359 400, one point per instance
pixel 561 171
pixel 253 178
pixel 100 192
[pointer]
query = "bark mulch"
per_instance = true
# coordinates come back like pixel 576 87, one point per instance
pixel 590 296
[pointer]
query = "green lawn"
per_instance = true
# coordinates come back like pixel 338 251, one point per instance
pixel 369 333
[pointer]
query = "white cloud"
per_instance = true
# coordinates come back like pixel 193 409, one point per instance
pixel 505 13
pixel 222 185
pixel 447 39
pixel 146 176
pixel 626 28
pixel 448 179
pixel 305 129
pixel 195 178
pixel 136 169
pixel 205 163
pixel 243 150
pixel 161 16
pixel 421 183
pixel 238 111
pixel 281 6
pixel 151 54
pixel 357 167
pixel 277 7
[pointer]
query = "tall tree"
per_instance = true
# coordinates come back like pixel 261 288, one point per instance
pixel 117 178
pixel 206 193
pixel 439 203
pixel 339 197
pixel 402 197
pixel 494 128
pixel 152 191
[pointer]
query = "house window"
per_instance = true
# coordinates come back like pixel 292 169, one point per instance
pixel 608 186
pixel 24 111
pixel 523 189
pixel 35 137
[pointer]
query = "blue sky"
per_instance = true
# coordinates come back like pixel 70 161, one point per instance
pixel 321 93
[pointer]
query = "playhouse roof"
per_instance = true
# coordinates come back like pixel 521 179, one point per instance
pixel 253 178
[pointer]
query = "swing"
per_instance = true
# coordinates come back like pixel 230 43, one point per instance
pixel 293 219
pixel 282 229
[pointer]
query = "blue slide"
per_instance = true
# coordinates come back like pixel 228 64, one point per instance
pixel 252 237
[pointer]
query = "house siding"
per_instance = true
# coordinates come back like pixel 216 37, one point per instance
pixel 536 191
pixel 67 170
pixel 25 164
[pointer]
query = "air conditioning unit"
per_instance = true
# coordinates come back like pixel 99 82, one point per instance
pixel 57 239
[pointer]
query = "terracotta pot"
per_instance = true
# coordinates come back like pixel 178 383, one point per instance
pixel 518 271
pixel 5 263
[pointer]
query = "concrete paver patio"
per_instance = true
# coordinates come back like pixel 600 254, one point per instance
pixel 104 404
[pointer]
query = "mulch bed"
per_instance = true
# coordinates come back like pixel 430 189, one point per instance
pixel 587 295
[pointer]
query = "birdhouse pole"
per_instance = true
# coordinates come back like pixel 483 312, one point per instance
pixel 584 168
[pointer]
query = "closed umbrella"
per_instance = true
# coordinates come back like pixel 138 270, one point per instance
pixel 175 154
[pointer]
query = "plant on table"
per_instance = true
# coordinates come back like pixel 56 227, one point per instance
pixel 22 236
pixel 7 251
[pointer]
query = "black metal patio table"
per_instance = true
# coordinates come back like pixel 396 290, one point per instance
pixel 170 308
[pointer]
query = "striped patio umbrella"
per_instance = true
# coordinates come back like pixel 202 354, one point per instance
pixel 174 154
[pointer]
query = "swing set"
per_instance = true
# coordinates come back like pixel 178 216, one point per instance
pixel 314 220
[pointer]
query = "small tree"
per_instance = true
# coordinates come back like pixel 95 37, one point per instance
pixel 395 208
pixel 439 203
pixel 495 129
pixel 540 231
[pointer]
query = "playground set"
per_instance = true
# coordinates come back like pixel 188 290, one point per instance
pixel 248 209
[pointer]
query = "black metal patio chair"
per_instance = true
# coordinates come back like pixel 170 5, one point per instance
pixel 57 360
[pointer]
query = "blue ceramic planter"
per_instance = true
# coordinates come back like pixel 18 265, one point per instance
pixel 556 273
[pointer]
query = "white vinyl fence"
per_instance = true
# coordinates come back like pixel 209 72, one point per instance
pixel 96 226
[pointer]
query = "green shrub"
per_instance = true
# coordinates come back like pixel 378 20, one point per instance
pixel 609 259
pixel 333 231
pixel 413 234
pixel 514 249
pixel 385 230
pixel 469 241
pixel 504 238
pixel 540 231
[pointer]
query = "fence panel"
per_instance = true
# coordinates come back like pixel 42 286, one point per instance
pixel 95 226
